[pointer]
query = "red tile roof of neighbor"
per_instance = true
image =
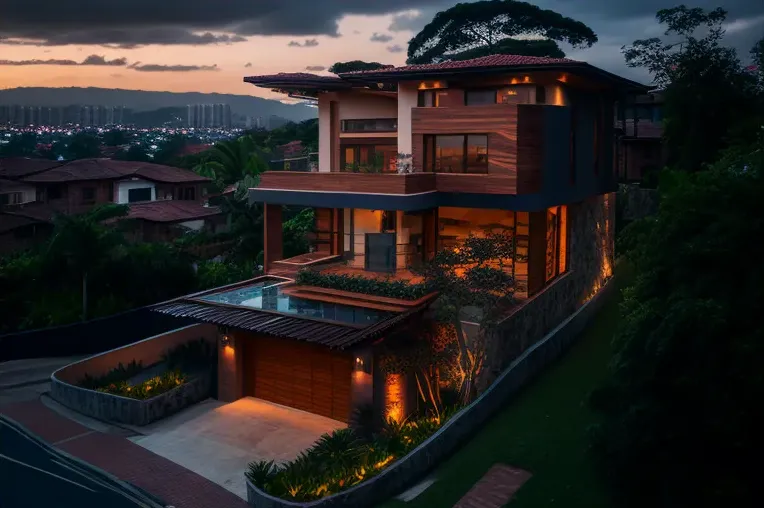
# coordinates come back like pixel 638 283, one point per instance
pixel 194 149
pixel 18 167
pixel 40 212
pixel 108 169
pixel 13 185
pixel 483 61
pixel 9 221
pixel 171 211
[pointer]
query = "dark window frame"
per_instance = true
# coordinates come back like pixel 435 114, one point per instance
pixel 435 97
pixel 344 125
pixel 129 191
pixel 55 191
pixel 88 195
pixel 188 191
pixel 429 158
pixel 467 92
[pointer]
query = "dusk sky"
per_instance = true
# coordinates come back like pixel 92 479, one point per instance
pixel 209 45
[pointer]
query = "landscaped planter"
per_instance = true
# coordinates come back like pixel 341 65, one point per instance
pixel 115 408
pixel 458 429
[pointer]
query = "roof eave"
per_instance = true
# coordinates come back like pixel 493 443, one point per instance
pixel 382 77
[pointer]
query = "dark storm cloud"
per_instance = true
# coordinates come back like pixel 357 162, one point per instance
pixel 315 68
pixel 90 60
pixel 375 37
pixel 131 23
pixel 138 66
pixel 396 48
pixel 309 43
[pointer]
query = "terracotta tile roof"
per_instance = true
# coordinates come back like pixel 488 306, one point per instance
pixel 483 61
pixel 40 212
pixel 18 167
pixel 108 169
pixel 13 185
pixel 171 211
pixel 297 77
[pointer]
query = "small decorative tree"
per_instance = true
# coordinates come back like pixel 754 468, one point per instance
pixel 475 286
pixel 405 163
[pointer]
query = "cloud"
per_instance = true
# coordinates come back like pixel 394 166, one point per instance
pixel 409 21
pixel 396 48
pixel 248 64
pixel 309 43
pixel 132 23
pixel 90 60
pixel 375 37
pixel 315 68
pixel 137 66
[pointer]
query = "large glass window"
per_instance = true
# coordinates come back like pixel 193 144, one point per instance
pixel 479 97
pixel 456 153
pixel 369 158
pixel 429 98
pixel 135 195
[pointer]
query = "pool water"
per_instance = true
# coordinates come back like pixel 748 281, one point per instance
pixel 267 295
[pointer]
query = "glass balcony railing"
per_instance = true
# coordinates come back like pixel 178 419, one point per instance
pixel 369 125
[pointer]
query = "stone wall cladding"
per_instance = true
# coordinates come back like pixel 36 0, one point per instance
pixel 115 408
pixel 104 406
pixel 461 427
pixel 589 265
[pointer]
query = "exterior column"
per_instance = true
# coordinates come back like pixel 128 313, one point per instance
pixel 536 251
pixel 338 232
pixel 272 237
pixel 407 99
pixel 230 367
pixel 334 142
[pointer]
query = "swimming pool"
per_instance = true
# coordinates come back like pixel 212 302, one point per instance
pixel 266 294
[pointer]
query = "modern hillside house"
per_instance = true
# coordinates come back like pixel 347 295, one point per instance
pixel 413 160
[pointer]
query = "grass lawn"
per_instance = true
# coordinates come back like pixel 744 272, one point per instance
pixel 542 431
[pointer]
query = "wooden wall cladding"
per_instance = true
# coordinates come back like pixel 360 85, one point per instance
pixel 349 182
pixel 493 118
pixel 477 184
pixel 530 148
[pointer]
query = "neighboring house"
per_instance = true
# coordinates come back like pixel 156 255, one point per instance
pixel 176 196
pixel 639 130
pixel 413 160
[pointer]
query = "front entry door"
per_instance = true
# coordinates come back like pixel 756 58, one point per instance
pixel 380 252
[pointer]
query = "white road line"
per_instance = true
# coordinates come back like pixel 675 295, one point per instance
pixel 99 482
pixel 44 471
pixel 66 440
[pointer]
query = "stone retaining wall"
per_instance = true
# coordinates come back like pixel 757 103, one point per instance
pixel 105 406
pixel 461 427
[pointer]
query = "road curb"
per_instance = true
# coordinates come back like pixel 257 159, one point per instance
pixel 126 488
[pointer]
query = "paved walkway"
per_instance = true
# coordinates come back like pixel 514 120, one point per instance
pixel 172 483
pixel 495 488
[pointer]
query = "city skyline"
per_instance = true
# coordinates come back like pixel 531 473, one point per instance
pixel 183 50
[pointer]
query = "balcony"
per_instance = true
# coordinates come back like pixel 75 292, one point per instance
pixel 364 183
pixel 367 126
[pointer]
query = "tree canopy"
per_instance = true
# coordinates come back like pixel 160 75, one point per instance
pixel 471 30
pixel 712 100
pixel 355 65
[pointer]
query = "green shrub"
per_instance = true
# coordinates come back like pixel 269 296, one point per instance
pixel 150 388
pixel 342 459
pixel 193 355
pixel 116 375
pixel 389 288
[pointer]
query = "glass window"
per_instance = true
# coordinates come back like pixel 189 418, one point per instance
pixel 479 97
pixel 517 94
pixel 12 198
pixel 55 192
pixel 429 98
pixel 88 195
pixel 370 125
pixel 189 194
pixel 552 243
pixel 135 195
pixel 477 153
pixel 449 154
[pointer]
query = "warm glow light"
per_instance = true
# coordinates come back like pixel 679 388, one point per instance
pixel 228 350
pixel 511 92
pixel 426 85
pixel 526 79
pixel 559 97
pixel 513 81
pixel 563 261
pixel 563 78
pixel 394 397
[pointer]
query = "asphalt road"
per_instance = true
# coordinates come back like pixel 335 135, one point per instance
pixel 32 476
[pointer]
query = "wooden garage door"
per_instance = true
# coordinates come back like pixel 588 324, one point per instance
pixel 299 375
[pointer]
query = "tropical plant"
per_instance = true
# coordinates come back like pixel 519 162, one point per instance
pixel 390 288
pixel 85 243
pixel 152 387
pixel 229 162
pixel 116 375
pixel 191 356
pixel 470 30
pixel 82 146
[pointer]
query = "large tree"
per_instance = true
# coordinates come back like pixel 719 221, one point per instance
pixel 711 99
pixel 470 30
pixel 682 414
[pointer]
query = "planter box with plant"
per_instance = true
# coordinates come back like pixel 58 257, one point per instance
pixel 388 288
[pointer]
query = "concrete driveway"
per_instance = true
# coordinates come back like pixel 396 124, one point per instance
pixel 218 440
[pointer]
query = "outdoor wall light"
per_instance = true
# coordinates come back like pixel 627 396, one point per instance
pixel 226 341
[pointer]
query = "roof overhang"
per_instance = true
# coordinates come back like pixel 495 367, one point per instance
pixel 577 68
pixel 299 85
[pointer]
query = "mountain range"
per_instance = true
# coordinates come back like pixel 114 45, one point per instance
pixel 141 100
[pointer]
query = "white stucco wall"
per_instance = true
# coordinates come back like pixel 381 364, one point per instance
pixel 359 106
pixel 195 225
pixel 324 132
pixel 121 189
pixel 28 193
pixel 407 99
